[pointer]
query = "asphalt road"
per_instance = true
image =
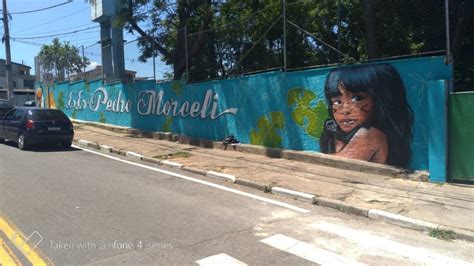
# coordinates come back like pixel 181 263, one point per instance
pixel 82 208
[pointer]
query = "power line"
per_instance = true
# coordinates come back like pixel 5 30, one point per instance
pixel 41 9
pixel 27 42
pixel 54 20
pixel 55 35
pixel 64 29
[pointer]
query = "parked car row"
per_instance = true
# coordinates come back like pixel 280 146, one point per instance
pixel 28 126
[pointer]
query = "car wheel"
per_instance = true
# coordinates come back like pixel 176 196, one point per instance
pixel 67 145
pixel 22 142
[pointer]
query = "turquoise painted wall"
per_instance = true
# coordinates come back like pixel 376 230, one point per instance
pixel 274 109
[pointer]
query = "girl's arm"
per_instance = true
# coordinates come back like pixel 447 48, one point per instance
pixel 367 144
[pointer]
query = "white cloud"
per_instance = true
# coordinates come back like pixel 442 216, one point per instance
pixel 92 65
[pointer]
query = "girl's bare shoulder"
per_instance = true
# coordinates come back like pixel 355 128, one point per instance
pixel 372 133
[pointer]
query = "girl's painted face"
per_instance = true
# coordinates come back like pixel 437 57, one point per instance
pixel 352 109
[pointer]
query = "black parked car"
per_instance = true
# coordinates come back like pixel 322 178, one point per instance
pixel 30 126
pixel 5 106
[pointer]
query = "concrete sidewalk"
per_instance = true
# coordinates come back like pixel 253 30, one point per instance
pixel 373 191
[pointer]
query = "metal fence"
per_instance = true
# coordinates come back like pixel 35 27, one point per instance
pixel 289 35
pixel 292 35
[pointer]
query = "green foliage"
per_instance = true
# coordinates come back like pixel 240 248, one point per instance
pixel 102 118
pixel 442 234
pixel 266 134
pixel 63 58
pixel 87 87
pixel 168 123
pixel 305 112
pixel 241 36
pixel 60 100
pixel 177 87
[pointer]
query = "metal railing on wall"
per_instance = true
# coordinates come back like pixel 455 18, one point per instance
pixel 290 35
pixel 305 34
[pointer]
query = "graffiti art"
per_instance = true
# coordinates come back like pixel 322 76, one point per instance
pixel 369 117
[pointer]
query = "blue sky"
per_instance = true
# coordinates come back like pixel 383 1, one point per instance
pixel 57 21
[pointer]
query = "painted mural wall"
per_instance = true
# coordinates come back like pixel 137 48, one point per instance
pixel 376 112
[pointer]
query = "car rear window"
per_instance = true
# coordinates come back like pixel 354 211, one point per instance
pixel 5 104
pixel 42 115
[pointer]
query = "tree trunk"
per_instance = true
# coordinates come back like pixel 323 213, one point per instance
pixel 370 29
pixel 462 14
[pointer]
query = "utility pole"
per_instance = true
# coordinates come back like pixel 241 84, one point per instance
pixel 83 61
pixel 153 52
pixel 284 35
pixel 8 66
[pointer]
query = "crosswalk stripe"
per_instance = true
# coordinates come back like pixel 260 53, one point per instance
pixel 375 242
pixel 220 259
pixel 307 251
pixel 7 257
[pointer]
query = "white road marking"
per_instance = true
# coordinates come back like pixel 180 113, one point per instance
pixel 220 259
pixel 375 242
pixel 274 202
pixel 307 251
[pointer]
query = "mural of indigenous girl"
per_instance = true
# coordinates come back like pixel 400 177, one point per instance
pixel 39 97
pixel 369 115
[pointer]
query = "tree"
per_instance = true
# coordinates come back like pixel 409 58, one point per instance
pixel 462 41
pixel 241 36
pixel 166 34
pixel 62 58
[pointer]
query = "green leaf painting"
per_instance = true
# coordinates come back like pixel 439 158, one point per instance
pixel 305 113
pixel 267 134
pixel 60 100
pixel 102 118
pixel 167 124
pixel 74 114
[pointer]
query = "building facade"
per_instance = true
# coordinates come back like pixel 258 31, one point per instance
pixel 22 81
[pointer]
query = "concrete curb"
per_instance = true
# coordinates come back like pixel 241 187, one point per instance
pixel 253 184
pixel 374 214
pixel 172 164
pixel 83 142
pixel 416 224
pixel 401 220
pixel 151 160
pixel 460 233
pixel 106 148
pixel 89 144
pixel 133 155
pixel 194 170
pixel 221 175
pixel 341 206
pixel 293 194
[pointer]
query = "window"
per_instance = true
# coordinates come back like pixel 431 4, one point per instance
pixel 5 104
pixel 29 83
pixel 18 115
pixel 46 115
pixel 14 84
pixel 10 115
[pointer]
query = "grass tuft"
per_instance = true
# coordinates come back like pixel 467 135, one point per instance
pixel 442 234
pixel 178 154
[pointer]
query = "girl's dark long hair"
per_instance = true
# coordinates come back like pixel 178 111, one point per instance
pixel 392 114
